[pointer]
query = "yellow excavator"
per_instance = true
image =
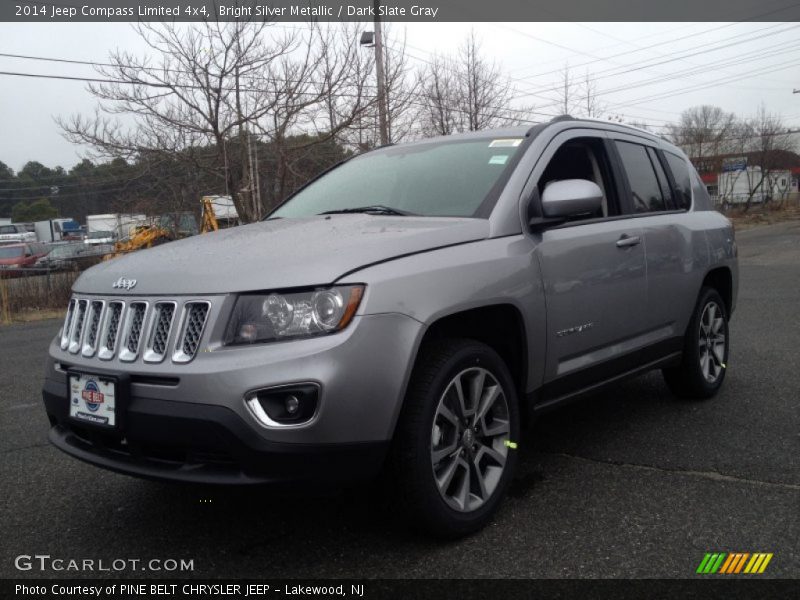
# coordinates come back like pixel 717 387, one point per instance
pixel 209 220
pixel 143 236
pixel 147 236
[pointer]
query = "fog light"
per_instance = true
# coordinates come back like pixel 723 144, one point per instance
pixel 282 406
pixel 292 404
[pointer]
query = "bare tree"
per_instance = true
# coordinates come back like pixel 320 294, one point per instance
pixel 592 107
pixel 703 131
pixel 566 92
pixel 465 92
pixel 770 142
pixel 438 92
pixel 204 91
pixel 400 96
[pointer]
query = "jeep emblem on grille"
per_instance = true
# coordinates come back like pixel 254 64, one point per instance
pixel 124 283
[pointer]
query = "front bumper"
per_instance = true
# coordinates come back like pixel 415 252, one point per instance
pixel 190 422
pixel 196 443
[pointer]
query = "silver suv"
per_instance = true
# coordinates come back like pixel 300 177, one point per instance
pixel 402 313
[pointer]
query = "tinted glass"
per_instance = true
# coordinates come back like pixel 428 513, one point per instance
pixel 11 251
pixel 683 183
pixel 645 189
pixel 434 179
pixel 8 229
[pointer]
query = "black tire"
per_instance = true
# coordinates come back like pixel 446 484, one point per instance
pixel 688 379
pixel 414 485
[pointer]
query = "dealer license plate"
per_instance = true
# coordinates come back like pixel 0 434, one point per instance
pixel 92 399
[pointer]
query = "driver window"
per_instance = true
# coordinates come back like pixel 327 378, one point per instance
pixel 583 158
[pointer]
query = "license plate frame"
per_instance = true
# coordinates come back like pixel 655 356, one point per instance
pixel 79 409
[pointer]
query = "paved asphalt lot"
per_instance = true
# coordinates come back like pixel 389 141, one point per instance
pixel 631 483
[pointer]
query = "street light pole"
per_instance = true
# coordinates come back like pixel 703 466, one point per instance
pixel 384 128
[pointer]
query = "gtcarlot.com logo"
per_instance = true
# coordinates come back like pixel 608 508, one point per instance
pixel 46 562
pixel 734 563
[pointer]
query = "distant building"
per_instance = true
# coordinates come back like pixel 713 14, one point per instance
pixel 733 178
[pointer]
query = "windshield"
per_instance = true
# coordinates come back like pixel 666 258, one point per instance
pixel 450 178
pixel 98 235
pixel 11 252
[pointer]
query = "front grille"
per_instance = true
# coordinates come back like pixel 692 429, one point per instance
pixel 159 336
pixel 195 317
pixel 77 326
pixel 65 331
pixel 140 329
pixel 136 315
pixel 114 318
pixel 90 340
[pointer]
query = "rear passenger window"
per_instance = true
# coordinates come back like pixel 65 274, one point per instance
pixel 683 182
pixel 645 189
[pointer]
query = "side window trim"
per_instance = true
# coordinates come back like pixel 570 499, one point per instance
pixel 676 192
pixel 669 206
pixel 667 193
pixel 626 197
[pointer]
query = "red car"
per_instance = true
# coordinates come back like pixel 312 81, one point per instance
pixel 15 257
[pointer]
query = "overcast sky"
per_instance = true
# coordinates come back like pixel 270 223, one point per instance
pixel 644 71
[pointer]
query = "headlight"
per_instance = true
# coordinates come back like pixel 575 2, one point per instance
pixel 278 316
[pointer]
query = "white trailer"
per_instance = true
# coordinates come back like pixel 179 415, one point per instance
pixel 54 230
pixel 736 186
pixel 106 228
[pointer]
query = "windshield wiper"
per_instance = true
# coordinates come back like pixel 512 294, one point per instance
pixel 375 208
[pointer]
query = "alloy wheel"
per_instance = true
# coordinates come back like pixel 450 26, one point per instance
pixel 712 342
pixel 469 439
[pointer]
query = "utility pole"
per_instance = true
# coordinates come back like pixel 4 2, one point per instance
pixel 384 128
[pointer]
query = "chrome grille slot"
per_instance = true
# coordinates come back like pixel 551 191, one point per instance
pixel 93 327
pixel 144 329
pixel 133 331
pixel 77 326
pixel 65 331
pixel 110 330
pixel 163 315
pixel 195 315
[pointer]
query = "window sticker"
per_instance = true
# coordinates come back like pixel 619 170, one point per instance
pixel 507 143
pixel 498 159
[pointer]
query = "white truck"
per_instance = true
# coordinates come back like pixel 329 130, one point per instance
pixel 57 230
pixel 107 228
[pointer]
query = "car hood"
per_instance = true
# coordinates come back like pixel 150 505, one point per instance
pixel 282 253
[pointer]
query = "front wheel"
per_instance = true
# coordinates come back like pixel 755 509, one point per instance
pixel 705 352
pixel 454 453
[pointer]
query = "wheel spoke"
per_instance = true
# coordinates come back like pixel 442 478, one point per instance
pixel 478 476
pixel 476 390
pixel 497 457
pixel 446 476
pixel 497 427
pixel 716 325
pixel 487 400
pixel 448 415
pixel 461 407
pixel 463 490
pixel 440 453
pixel 704 360
pixel 718 352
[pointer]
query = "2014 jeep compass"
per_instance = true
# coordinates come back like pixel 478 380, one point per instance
pixel 401 313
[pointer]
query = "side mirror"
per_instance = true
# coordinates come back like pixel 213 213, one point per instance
pixel 570 198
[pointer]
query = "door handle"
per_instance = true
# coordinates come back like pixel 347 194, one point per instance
pixel 626 241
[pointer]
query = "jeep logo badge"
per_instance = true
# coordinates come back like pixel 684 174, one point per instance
pixel 123 283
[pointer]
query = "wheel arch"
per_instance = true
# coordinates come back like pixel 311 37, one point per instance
pixel 721 279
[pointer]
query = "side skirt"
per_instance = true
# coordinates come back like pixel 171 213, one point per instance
pixel 591 380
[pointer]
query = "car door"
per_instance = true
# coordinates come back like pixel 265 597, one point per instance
pixel 668 241
pixel 593 271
